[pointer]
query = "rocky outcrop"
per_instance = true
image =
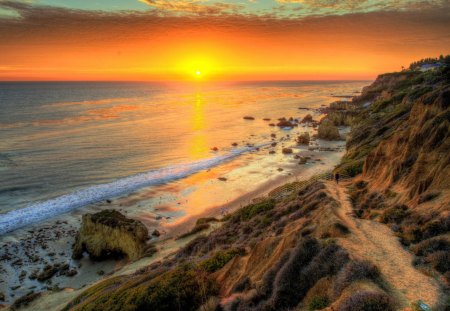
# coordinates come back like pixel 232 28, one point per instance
pixel 286 123
pixel 328 131
pixel 307 118
pixel 303 139
pixel 109 233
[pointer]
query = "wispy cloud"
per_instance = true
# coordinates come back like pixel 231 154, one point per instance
pixel 193 6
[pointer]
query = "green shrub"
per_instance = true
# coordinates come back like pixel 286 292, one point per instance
pixel 252 210
pixel 318 303
pixel 355 271
pixel 367 301
pixel 351 167
pixel 395 214
pixel 430 246
pixel 219 259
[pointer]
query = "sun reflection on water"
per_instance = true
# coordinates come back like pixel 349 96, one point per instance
pixel 198 147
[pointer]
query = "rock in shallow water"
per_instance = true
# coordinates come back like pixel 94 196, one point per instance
pixel 109 233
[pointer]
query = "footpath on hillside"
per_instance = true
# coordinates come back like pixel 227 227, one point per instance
pixel 375 242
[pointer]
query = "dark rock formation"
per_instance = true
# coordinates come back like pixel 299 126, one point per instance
pixel 328 131
pixel 303 139
pixel 109 233
pixel 307 118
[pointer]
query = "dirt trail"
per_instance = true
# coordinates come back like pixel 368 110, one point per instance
pixel 376 242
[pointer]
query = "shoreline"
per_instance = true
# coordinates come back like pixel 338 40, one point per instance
pixel 168 244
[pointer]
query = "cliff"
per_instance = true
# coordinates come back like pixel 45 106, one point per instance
pixel 317 245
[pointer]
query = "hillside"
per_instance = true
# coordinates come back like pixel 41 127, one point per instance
pixel 379 241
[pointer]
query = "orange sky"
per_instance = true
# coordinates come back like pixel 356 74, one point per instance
pixel 46 43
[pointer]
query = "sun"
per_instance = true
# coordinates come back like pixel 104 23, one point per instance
pixel 198 73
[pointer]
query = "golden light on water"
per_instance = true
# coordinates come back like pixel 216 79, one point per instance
pixel 198 146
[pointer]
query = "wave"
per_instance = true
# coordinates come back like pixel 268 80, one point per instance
pixel 47 209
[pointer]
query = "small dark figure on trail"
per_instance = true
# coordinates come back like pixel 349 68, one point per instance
pixel 336 177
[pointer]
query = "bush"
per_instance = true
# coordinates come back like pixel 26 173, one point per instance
pixel 318 303
pixel 351 167
pixel 440 261
pixel 198 228
pixel 252 210
pixel 355 271
pixel 430 246
pixel 367 301
pixel 395 214
pixel 308 263
pixel 219 259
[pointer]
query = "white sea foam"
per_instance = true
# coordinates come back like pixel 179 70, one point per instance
pixel 44 210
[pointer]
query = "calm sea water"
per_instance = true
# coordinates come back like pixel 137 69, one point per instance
pixel 65 145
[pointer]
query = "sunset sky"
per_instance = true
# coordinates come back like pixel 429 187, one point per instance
pixel 216 39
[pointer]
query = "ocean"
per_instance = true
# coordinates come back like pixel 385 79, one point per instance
pixel 65 145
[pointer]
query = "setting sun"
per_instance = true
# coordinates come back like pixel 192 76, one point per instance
pixel 198 73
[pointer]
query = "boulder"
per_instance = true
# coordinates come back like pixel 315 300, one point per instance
pixel 286 123
pixel 109 233
pixel 303 139
pixel 287 151
pixel 307 118
pixel 328 131
pixel 249 118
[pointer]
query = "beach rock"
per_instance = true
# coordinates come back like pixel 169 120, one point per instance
pixel 307 118
pixel 47 273
pixel 328 131
pixel 286 123
pixel 273 135
pixel 249 118
pixel 271 124
pixel 215 149
pixel 25 300
pixel 266 119
pixel 287 151
pixel 222 178
pixel 271 152
pixel 156 233
pixel 303 139
pixel 110 233
pixel 273 144
pixel 234 144
pixel 341 105
pixel 303 160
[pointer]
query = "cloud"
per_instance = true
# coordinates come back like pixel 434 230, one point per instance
pixel 85 41
pixel 192 6
pixel 329 7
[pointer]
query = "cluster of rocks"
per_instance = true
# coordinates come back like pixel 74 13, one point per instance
pixel 51 270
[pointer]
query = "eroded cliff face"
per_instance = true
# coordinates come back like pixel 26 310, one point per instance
pixel 109 233
pixel 403 147
pixel 417 155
